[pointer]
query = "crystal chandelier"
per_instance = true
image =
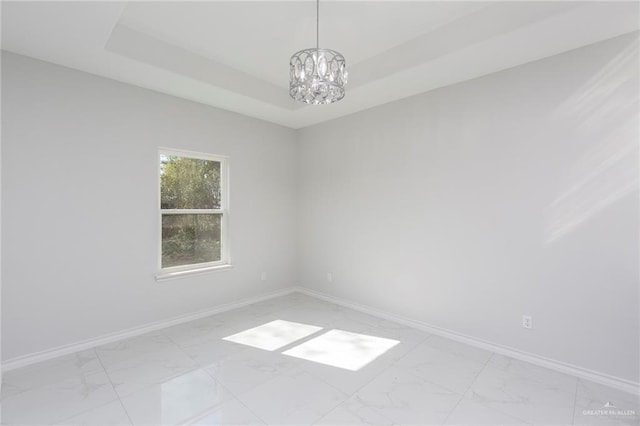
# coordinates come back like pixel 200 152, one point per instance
pixel 317 76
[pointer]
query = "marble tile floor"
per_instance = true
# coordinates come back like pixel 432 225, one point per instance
pixel 370 371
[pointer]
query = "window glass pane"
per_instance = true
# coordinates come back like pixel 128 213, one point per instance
pixel 189 239
pixel 189 183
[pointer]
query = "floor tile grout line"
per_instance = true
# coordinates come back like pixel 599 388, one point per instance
pixel 278 375
pixel 335 406
pixel 391 364
pixel 196 367
pixel 298 365
pixel 36 366
pixel 113 387
pixel 61 422
pixel 233 394
pixel 484 366
pixel 206 371
pixel 348 395
pixel 250 410
pixel 280 351
pixel 449 353
pixel 352 394
pixel 487 366
pixel 331 411
pixel 429 336
pixel 217 407
pixel 101 405
pixel 493 354
pixel 145 386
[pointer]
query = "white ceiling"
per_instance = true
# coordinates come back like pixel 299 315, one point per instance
pixel 259 38
pixel 234 54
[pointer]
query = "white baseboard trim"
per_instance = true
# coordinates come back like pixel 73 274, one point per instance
pixel 563 367
pixel 23 361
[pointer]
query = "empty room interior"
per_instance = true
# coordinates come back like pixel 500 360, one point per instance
pixel 320 212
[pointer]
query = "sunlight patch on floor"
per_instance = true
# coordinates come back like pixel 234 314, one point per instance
pixel 273 335
pixel 342 349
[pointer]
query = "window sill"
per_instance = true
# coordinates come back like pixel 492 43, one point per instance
pixel 166 276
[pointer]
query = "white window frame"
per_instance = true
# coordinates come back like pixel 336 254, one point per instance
pixel 225 253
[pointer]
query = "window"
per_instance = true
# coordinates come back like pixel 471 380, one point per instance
pixel 193 212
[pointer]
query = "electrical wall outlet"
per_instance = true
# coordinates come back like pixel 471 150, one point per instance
pixel 527 321
pixel 329 276
pixel 263 276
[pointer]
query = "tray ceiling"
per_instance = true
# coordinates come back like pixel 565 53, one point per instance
pixel 234 54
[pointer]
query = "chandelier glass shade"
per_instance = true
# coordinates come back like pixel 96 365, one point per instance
pixel 317 76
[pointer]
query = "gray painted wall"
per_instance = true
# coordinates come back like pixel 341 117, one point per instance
pixel 465 207
pixel 80 219
pixel 469 206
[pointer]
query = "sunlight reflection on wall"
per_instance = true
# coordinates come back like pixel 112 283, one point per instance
pixel 608 170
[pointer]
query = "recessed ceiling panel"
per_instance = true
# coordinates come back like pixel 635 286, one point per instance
pixel 234 54
pixel 258 38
